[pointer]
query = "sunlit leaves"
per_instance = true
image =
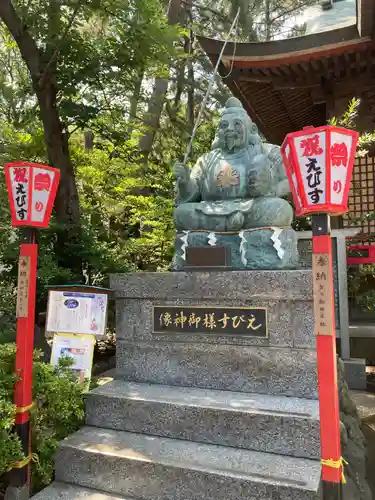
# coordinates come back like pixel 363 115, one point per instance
pixel 59 412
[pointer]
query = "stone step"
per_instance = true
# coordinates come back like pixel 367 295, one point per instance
pixel 274 424
pixel 63 491
pixel 156 468
pixel 263 370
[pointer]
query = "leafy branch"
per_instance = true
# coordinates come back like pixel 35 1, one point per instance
pixel 56 53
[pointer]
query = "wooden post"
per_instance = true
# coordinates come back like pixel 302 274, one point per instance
pixel 20 475
pixel 324 313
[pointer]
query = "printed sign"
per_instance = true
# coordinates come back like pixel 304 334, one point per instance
pixel 322 287
pixel 32 189
pixel 22 307
pixel 249 321
pixel 77 312
pixel 80 348
pixel 305 262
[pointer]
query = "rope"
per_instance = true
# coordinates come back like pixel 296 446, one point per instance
pixel 204 102
pixel 336 464
pixel 20 463
pixel 24 409
pixel 233 56
pixel 236 232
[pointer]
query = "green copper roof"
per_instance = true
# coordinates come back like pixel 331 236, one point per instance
pixel 90 287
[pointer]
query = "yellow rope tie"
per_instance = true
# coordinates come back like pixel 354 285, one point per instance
pixel 24 409
pixel 21 463
pixel 336 464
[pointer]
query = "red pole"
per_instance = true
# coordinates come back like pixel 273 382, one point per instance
pixel 26 294
pixel 325 328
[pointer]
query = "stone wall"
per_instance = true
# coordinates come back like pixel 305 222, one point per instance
pixel 353 444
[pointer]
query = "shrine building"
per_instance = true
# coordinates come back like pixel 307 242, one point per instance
pixel 291 83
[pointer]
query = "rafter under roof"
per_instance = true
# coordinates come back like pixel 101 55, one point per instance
pixel 288 84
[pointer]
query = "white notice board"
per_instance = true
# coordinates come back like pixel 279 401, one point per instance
pixel 77 312
pixel 80 348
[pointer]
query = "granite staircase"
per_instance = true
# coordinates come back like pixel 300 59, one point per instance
pixel 208 416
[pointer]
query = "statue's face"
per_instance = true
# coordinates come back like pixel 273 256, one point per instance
pixel 231 133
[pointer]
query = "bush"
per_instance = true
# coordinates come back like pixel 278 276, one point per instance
pixel 7 308
pixel 59 411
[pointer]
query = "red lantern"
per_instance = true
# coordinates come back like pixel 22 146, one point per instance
pixel 319 164
pixel 31 189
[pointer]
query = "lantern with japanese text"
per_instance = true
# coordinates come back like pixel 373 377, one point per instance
pixel 31 189
pixel 319 164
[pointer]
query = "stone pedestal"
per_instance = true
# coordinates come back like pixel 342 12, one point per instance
pixel 263 248
pixel 355 374
pixel 224 408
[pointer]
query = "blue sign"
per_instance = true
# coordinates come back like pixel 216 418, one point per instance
pixel 71 303
pixel 79 294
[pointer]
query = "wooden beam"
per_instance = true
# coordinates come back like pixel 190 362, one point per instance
pixel 342 88
pixel 280 48
pixel 355 78
pixel 295 85
pixel 307 55
pixel 318 95
pixel 295 57
pixel 352 85
pixel 277 83
pixel 365 17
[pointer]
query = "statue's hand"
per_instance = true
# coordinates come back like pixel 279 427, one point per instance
pixel 181 173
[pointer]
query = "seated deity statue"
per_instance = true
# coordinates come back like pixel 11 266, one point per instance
pixel 237 185
pixel 233 197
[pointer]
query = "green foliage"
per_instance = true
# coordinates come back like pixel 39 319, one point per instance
pixel 59 411
pixel 103 57
pixel 349 120
pixel 361 283
pixel 7 308
pixel 361 278
pixel 95 49
pixel 10 446
pixel 122 230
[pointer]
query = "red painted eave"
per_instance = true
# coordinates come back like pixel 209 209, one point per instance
pixel 288 51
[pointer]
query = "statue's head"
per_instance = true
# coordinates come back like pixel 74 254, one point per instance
pixel 236 130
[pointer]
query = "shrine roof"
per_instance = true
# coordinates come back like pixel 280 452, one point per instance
pixel 286 84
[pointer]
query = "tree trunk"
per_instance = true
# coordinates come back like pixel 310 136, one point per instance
pixel 180 81
pixel 135 99
pixel 156 102
pixel 267 20
pixel 56 139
